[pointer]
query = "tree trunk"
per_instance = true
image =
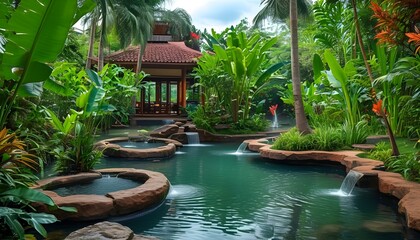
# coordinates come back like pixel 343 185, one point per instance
pixel 101 54
pixel 91 44
pixel 301 121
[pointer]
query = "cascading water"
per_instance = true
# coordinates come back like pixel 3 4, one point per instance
pixel 275 122
pixel 242 148
pixel 193 137
pixel 349 182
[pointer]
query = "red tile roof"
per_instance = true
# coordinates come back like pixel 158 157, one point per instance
pixel 167 52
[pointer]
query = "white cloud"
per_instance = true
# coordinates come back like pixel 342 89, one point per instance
pixel 217 14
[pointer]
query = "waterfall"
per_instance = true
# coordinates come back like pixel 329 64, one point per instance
pixel 350 181
pixel 275 121
pixel 193 137
pixel 242 148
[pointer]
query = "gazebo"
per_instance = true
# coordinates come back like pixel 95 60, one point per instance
pixel 168 86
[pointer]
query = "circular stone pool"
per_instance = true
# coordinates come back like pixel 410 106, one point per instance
pixel 99 186
pixel 142 191
pixel 140 145
pixel 137 148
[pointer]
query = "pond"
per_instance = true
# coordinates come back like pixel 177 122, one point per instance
pixel 219 195
pixel 140 145
pixel 100 186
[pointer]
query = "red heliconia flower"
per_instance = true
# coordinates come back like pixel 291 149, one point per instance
pixel 377 108
pixel 415 38
pixel 194 36
pixel 273 109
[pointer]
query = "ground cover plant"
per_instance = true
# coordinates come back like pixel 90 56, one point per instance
pixel 407 164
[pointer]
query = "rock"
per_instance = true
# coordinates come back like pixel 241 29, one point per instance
pixel 94 207
pixel 222 126
pixel 382 226
pixel 364 147
pixel 189 127
pixel 395 185
pixel 180 137
pixel 106 231
pixel 152 192
pixel 135 153
pixel 164 131
pixel 89 207
pixel 409 205
pixel 376 139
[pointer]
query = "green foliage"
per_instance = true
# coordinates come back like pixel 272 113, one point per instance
pixel 400 91
pixel 355 134
pixel 293 140
pixel 203 120
pixel 15 194
pixel 408 165
pixel 76 152
pixel 236 72
pixel 327 138
pixel 381 152
pixel 334 22
pixel 35 33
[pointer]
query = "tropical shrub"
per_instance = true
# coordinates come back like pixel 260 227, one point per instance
pixel 407 165
pixel 34 34
pixel 15 195
pixel 381 152
pixel 77 131
pixel 236 72
pixel 327 138
pixel 354 134
pixel 293 140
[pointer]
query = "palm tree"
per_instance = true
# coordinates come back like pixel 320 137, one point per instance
pixel 276 10
pixel 179 20
pixel 131 19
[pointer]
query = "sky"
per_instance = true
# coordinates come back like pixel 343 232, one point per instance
pixel 217 14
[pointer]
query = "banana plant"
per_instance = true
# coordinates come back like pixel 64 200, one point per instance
pixel 339 78
pixel 34 34
pixel 242 60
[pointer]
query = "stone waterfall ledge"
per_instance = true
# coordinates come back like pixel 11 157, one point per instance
pixel 93 207
pixel 387 182
pixel 111 149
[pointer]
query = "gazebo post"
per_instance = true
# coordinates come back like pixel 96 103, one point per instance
pixel 184 88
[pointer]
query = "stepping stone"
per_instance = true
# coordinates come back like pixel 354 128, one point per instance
pixel 364 147
pixel 377 138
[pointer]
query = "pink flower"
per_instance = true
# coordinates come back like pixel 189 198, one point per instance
pixel 195 36
pixel 273 109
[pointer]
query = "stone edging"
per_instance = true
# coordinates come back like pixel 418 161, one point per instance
pixel 387 182
pixel 92 207
pixel 110 149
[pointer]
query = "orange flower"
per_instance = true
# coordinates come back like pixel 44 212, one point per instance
pixel 377 108
pixel 273 109
pixel 415 38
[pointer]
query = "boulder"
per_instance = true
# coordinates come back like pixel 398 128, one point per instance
pixel 409 205
pixel 89 207
pixel 152 192
pixel 180 137
pixel 164 131
pixel 106 231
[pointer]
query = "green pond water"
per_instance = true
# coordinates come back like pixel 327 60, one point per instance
pixel 100 186
pixel 218 195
